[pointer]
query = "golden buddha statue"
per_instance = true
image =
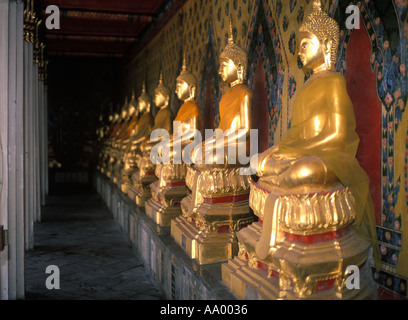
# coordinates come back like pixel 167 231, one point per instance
pixel 235 112
pixel 113 142
pixel 311 189
pixel 131 146
pixel 145 175
pixel 113 130
pixel 130 119
pixel 217 205
pixel 171 188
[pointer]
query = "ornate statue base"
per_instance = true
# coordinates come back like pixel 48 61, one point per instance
pixel 167 193
pixel 213 212
pixel 126 182
pixel 142 179
pixel 317 244
pixel 117 175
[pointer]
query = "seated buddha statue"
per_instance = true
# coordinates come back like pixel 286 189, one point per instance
pixel 131 121
pixel 217 204
pixel 122 138
pixel 170 188
pixel 164 117
pixel 188 119
pixel 319 150
pixel 116 139
pixel 108 143
pixel 143 127
pixel 312 196
pixel 137 135
pixel 235 113
pixel 164 120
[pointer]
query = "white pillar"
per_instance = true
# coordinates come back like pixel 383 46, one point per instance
pixel 41 140
pixel 15 150
pixel 37 186
pixel 11 132
pixel 4 43
pixel 46 138
pixel 20 285
pixel 28 145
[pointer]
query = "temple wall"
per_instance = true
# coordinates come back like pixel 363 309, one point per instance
pixel 267 30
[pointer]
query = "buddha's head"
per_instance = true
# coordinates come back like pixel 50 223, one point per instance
pixel 144 101
pixel 132 105
pixel 318 40
pixel 186 83
pixel 233 61
pixel 162 94
pixel 116 117
pixel 110 118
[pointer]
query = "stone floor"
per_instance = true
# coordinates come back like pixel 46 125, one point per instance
pixel 79 235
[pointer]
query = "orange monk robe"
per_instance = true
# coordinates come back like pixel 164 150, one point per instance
pixel 127 128
pixel 230 103
pixel 188 111
pixel 115 129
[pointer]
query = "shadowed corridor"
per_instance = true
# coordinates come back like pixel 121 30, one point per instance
pixel 79 235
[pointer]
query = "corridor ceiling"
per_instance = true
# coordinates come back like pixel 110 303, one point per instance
pixel 105 28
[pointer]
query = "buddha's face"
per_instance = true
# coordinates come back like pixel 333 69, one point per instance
pixel 132 110
pixel 228 70
pixel 311 51
pixel 142 105
pixel 182 90
pixel 124 114
pixel 159 99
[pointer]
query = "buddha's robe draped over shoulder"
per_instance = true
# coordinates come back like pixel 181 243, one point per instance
pixel 132 125
pixel 144 126
pixel 188 111
pixel 230 104
pixel 327 95
pixel 164 120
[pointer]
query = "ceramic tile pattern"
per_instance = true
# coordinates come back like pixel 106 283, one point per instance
pixel 267 29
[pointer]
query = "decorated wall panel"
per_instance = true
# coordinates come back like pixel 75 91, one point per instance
pixel 267 30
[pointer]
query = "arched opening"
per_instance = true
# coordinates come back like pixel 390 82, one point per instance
pixel 260 116
pixel 208 116
pixel 361 86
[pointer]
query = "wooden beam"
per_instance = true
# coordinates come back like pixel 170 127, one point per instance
pixel 84 54
pixel 89 38
pixel 80 26
pixel 92 15
pixel 130 6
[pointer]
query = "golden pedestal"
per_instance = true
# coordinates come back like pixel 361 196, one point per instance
pixel 167 193
pixel 318 244
pixel 142 179
pixel 215 209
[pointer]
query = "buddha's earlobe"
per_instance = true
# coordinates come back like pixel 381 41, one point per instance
pixel 327 47
pixel 240 73
pixel 192 91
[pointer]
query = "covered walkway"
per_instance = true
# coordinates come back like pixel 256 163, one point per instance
pixel 79 235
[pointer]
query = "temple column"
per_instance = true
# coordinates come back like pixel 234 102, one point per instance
pixel 43 143
pixel 29 197
pixel 12 141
